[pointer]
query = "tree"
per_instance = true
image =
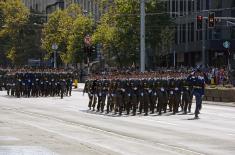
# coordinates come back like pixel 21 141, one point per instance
pixel 118 31
pixel 14 16
pixel 67 28
pixel 119 28
pixel 167 36
pixel 82 26
pixel 56 30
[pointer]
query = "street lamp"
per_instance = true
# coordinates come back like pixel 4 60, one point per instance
pixel 142 36
pixel 55 47
pixel 87 46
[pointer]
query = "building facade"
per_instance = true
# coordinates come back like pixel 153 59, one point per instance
pixel 189 42
pixel 43 6
pixel 90 7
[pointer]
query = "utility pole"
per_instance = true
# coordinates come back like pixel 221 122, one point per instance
pixel 142 36
pixel 55 63
pixel 204 43
pixel 54 47
pixel 174 59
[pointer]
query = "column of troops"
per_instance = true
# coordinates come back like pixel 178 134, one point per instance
pixel 155 94
pixel 37 84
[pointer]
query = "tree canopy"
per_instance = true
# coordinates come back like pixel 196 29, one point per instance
pixel 119 28
pixel 117 31
pixel 19 34
pixel 67 28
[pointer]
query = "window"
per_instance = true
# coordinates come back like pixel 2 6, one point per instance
pixel 184 33
pixel 173 8
pixel 176 35
pixel 176 7
pixel 199 35
pixel 233 13
pixel 192 32
pixel 193 4
pixel 233 33
pixel 206 33
pixel 189 7
pixel 36 7
pixel 219 4
pixel 217 34
pixel 198 5
pixel 189 32
pixel 184 7
pixel 210 34
pixel 207 5
pixel 218 13
pixel 180 33
pixel 169 6
pixel 202 6
pixel 181 8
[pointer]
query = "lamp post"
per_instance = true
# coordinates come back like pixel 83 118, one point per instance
pixel 142 36
pixel 87 46
pixel 54 47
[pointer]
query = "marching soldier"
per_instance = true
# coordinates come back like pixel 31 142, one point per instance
pixel 198 90
pixel 127 96
pixel 187 93
pixel 153 95
pixel 94 93
pixel 134 95
pixel 163 97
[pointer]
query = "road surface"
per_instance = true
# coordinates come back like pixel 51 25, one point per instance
pixel 51 126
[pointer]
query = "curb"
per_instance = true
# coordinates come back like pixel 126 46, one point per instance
pixel 220 104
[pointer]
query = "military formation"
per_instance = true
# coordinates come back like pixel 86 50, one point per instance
pixel 37 84
pixel 147 93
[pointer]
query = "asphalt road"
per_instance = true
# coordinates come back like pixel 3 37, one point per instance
pixel 51 126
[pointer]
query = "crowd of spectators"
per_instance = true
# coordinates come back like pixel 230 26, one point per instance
pixel 214 76
pixel 217 76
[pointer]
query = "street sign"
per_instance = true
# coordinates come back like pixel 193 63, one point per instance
pixel 54 46
pixel 226 44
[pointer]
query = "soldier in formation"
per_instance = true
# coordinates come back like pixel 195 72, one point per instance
pixel 38 84
pixel 151 92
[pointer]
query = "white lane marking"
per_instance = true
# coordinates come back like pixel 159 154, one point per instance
pixel 8 138
pixel 162 122
pixel 231 134
pixel 25 150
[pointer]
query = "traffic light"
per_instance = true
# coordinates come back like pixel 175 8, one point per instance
pixel 199 22
pixel 211 20
pixel 93 49
pixel 93 53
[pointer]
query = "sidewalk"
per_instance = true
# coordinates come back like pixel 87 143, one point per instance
pixel 230 104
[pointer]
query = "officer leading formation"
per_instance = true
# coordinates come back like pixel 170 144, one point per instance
pixel 137 93
pixel 37 84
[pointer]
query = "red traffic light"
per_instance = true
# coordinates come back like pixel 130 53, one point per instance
pixel 199 18
pixel 199 22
